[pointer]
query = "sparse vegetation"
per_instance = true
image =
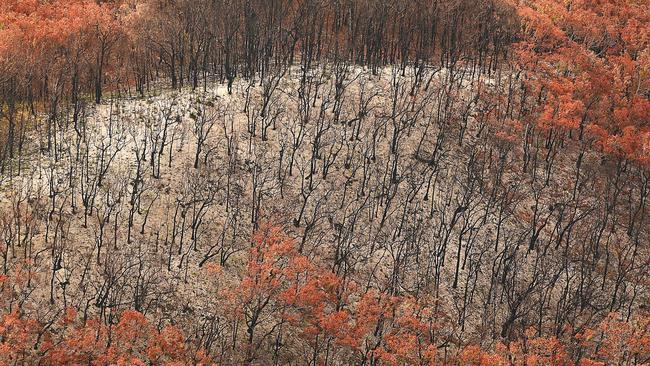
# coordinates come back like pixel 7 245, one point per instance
pixel 324 182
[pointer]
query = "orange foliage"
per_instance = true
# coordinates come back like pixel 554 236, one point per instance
pixel 321 307
pixel 591 60
pixel 614 342
pixel 133 341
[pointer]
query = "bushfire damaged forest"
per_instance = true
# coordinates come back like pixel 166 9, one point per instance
pixel 324 182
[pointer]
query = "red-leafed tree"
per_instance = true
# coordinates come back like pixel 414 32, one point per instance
pixel 588 63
